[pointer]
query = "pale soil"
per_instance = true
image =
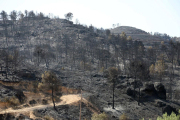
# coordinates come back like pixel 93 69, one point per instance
pixel 65 99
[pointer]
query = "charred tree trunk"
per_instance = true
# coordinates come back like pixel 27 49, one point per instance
pixel 139 96
pixel 134 94
pixel 113 96
pixel 53 99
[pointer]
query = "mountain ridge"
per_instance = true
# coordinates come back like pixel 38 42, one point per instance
pixel 140 35
pixel 128 30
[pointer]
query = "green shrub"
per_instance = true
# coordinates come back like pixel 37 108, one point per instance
pixel 173 116
pixel 165 116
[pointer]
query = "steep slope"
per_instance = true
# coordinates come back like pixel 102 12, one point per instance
pixel 79 55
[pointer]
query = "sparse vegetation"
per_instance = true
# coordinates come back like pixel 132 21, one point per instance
pixel 173 116
pixel 50 82
pixel 123 117
pixel 11 101
pixel 101 116
pixel 48 118
pixel 165 116
pixel 113 74
pixel 80 57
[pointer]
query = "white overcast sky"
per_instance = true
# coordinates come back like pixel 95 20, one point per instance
pixel 150 15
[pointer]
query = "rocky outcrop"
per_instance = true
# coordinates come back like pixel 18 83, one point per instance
pixel 161 91
pixel 149 89
pixel 154 90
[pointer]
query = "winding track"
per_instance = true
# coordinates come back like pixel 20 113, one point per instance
pixel 66 99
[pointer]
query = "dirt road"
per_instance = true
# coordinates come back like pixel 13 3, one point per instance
pixel 65 99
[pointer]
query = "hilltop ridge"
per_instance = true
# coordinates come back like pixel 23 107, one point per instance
pixel 140 35
pixel 128 30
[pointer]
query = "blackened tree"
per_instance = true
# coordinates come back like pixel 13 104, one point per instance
pixel 38 52
pixel 4 17
pixel 113 78
pixel 69 16
pixel 50 82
